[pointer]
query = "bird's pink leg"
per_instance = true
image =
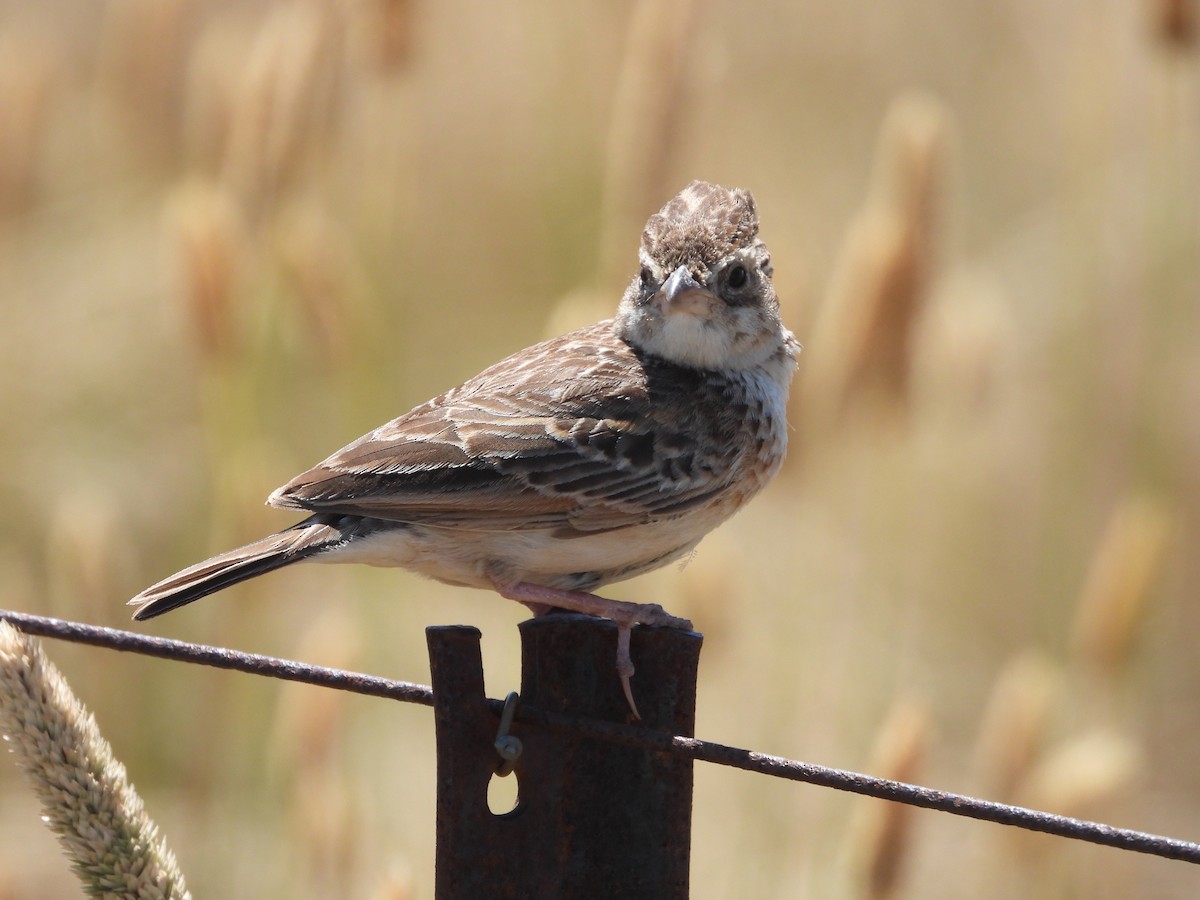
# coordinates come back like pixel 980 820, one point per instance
pixel 626 615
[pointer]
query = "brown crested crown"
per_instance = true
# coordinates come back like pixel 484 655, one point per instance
pixel 700 225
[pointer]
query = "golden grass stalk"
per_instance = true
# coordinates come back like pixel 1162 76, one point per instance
pixel 206 228
pixel 87 800
pixel 862 340
pixel 644 128
pixel 284 101
pixel 396 885
pixel 142 44
pixel 324 819
pixel 211 82
pixel 309 724
pixel 319 264
pixel 1176 23
pixel 28 67
pixel 382 31
pixel 1015 723
pixel 963 348
pixel 882 838
pixel 1083 775
pixel 1120 582
pixel 87 554
pixel 306 736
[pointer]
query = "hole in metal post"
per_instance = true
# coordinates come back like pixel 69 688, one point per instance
pixel 504 795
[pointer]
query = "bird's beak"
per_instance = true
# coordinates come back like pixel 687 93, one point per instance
pixel 683 293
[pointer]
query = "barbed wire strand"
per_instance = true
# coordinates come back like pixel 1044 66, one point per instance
pixel 627 735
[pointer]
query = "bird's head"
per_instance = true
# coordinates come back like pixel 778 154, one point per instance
pixel 703 297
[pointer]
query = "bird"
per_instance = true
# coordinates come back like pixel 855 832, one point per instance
pixel 580 461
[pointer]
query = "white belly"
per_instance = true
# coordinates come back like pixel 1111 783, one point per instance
pixel 476 559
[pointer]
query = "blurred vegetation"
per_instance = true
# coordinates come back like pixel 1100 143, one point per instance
pixel 234 236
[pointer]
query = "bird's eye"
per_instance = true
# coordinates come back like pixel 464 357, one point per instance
pixel 646 275
pixel 737 277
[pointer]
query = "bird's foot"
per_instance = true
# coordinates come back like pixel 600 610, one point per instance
pixel 626 615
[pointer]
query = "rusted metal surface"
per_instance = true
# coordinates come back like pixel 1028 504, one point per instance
pixel 593 819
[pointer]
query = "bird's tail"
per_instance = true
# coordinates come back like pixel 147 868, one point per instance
pixel 314 535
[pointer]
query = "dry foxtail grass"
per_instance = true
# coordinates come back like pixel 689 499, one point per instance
pixel 317 260
pixel 883 836
pixel 206 227
pixel 641 143
pixel 87 800
pixel 306 742
pixel 286 102
pixel 964 347
pixel 1120 583
pixel 87 558
pixel 1083 776
pixel 27 73
pixel 861 347
pixel 1176 23
pixel 396 885
pixel 1015 723
pixel 382 32
pixel 141 47
pixel 643 130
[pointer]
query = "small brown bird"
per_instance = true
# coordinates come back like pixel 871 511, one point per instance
pixel 580 461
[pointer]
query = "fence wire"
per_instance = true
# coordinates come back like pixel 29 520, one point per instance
pixel 627 735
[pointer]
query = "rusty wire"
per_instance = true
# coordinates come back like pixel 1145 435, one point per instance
pixel 627 735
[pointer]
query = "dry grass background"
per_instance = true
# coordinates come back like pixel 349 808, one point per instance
pixel 234 236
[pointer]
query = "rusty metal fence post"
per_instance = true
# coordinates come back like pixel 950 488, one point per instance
pixel 592 819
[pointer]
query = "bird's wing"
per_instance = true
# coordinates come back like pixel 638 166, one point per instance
pixel 577 433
